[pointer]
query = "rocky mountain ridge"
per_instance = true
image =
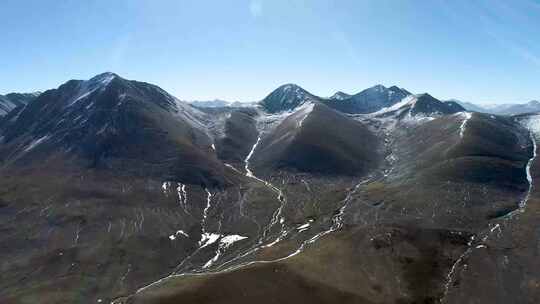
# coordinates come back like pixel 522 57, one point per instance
pixel 115 191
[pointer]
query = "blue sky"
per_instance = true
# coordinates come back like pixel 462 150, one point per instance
pixel 474 50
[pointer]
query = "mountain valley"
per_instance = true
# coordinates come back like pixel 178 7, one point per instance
pixel 115 191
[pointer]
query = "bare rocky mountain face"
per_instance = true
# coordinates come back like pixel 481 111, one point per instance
pixel 114 191
pixel 11 101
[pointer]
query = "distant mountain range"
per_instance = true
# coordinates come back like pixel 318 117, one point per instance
pixel 503 109
pixel 290 96
pixel 217 103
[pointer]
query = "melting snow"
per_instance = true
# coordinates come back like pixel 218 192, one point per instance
pixel 82 96
pixel 166 186
pixel 230 239
pixel 411 99
pixel 280 197
pixel 304 111
pixel 224 243
pixel 173 237
pixel 233 168
pixel 466 116
pixel 248 157
pixel 208 238
pixel 36 142
pixel 533 123
pixel 303 227
pixel 523 203
pixel 88 87
pixel 208 205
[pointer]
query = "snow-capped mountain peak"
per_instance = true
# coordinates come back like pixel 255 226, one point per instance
pixel 419 107
pixel 339 95
pixel 287 97
pixel 378 88
pixel 95 84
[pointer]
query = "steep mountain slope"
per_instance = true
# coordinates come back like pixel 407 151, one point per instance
pixel 110 122
pixel 114 191
pixel 239 136
pixel 348 146
pixel 122 187
pixel 503 268
pixel 403 235
pixel 287 97
pixel 340 96
pixel 10 101
pixel 369 100
pixel 418 107
pixel 474 150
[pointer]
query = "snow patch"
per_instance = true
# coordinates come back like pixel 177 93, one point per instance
pixel 248 157
pixel 36 142
pixel 224 243
pixel 231 239
pixel 165 186
pixel 173 237
pixel 86 88
pixel 409 100
pixel 208 238
pixel 466 116
pixel 208 205
pixel 304 111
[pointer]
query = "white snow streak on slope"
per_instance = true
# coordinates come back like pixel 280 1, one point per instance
pixel 411 99
pixel 165 187
pixel 205 211
pixel 90 86
pixel 224 243
pixel 523 203
pixel 533 124
pixel 466 116
pixel 471 246
pixel 248 157
pixel 233 168
pixel 337 224
pixel 182 196
pixel 276 217
pixel 36 142
pixel 6 106
pixel 304 110
pixel 208 238
pixel 305 226
pixel 173 237
pixel 181 192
